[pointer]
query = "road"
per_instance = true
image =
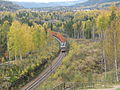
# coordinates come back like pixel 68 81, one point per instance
pixel 114 88
pixel 45 74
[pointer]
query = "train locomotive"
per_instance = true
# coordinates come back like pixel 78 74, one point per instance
pixel 63 46
pixel 61 40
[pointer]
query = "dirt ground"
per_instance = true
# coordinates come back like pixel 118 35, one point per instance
pixel 114 88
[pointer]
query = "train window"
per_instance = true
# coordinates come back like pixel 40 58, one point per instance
pixel 63 44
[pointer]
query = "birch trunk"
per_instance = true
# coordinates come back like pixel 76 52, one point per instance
pixel 15 55
pixel 83 34
pixel 93 34
pixel 115 56
pixel 20 54
pixel 8 50
pixel 104 56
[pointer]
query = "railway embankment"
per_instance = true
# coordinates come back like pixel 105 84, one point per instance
pixel 80 65
pixel 19 72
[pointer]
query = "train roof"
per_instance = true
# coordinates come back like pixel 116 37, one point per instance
pixel 58 36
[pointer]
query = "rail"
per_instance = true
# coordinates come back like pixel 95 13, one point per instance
pixel 48 71
pixel 45 74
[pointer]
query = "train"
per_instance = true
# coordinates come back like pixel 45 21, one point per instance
pixel 63 47
pixel 61 39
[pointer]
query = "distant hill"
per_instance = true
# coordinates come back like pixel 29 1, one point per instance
pixel 8 6
pixel 87 5
pixel 58 6
pixel 50 4
pixel 93 4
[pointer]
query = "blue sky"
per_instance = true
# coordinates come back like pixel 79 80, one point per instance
pixel 43 0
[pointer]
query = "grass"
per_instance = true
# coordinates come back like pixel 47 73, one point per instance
pixel 118 89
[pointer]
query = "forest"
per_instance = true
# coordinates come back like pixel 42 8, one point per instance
pixel 26 47
pixel 94 52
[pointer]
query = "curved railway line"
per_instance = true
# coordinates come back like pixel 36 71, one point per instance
pixel 49 70
pixel 45 74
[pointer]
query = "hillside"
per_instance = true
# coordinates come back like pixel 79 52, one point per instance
pixel 97 4
pixel 92 2
pixel 83 57
pixel 49 4
pixel 58 6
pixel 86 5
pixel 8 6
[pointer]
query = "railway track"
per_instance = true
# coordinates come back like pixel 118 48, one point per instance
pixel 45 74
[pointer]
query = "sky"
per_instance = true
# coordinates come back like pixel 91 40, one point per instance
pixel 42 0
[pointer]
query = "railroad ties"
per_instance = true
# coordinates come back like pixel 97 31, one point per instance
pixel 48 71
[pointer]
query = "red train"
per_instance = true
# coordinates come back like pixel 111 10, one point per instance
pixel 61 39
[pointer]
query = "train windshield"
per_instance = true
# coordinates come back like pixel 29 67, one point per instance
pixel 63 44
